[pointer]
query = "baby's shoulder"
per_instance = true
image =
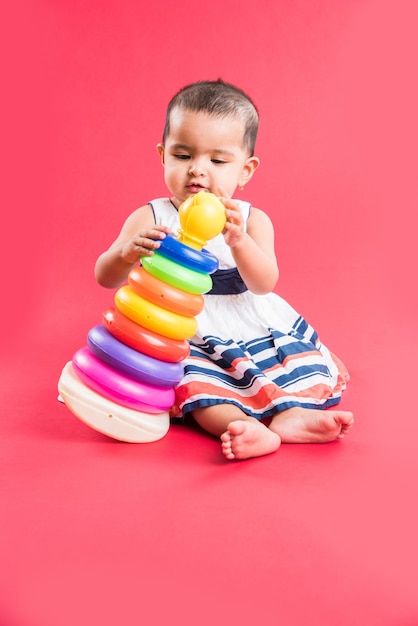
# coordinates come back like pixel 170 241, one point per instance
pixel 140 213
pixel 162 209
pixel 258 214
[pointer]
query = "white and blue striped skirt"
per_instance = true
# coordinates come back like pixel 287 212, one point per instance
pixel 257 353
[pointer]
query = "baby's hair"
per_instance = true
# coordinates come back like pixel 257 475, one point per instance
pixel 219 99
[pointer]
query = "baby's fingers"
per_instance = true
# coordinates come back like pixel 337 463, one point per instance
pixel 137 247
pixel 223 194
pixel 147 245
pixel 233 216
pixel 160 230
pixel 150 239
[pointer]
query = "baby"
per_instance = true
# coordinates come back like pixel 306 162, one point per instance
pixel 257 374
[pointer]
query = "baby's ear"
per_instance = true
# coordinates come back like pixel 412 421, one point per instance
pixel 160 150
pixel 250 166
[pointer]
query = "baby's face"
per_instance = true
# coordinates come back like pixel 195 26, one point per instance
pixel 203 152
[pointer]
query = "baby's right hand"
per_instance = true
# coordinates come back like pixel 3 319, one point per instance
pixel 144 243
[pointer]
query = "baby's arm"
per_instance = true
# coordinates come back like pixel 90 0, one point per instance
pixel 253 250
pixel 136 239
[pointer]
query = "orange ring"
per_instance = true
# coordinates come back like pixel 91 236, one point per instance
pixel 163 294
pixel 142 339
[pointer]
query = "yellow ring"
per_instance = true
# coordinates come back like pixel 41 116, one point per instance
pixel 154 317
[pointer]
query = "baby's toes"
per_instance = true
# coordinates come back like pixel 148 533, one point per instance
pixel 227 447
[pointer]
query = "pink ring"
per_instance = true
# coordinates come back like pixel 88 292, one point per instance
pixel 119 388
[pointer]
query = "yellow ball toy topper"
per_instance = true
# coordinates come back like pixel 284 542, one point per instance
pixel 202 217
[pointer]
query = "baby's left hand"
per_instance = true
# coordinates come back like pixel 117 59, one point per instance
pixel 234 227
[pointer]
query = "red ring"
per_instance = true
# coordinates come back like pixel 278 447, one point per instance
pixel 142 339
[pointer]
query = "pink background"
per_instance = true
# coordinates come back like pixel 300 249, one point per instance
pixel 97 532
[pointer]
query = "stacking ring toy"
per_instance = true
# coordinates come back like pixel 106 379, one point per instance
pixel 177 275
pixel 167 296
pixel 144 340
pixel 154 317
pixel 119 388
pixel 108 417
pixel 123 382
pixel 199 260
pixel 130 362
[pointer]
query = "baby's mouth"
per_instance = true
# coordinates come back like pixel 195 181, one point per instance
pixel 195 188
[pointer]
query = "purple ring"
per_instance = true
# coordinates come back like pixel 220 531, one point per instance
pixel 132 363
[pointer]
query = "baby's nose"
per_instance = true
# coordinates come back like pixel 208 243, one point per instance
pixel 195 170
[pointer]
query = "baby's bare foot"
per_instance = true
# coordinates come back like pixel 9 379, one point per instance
pixel 245 439
pixel 311 425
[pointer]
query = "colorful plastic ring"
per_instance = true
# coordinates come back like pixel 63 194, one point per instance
pixel 199 260
pixel 155 290
pixel 108 417
pixel 177 275
pixel 154 317
pixel 143 339
pixel 119 388
pixel 130 362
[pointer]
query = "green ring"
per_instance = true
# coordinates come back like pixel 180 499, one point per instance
pixel 177 275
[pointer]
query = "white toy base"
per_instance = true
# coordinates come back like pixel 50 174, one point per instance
pixel 107 417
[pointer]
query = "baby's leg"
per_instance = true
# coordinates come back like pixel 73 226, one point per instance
pixel 299 425
pixel 242 436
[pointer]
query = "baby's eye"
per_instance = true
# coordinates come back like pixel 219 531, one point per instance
pixel 182 157
pixel 218 161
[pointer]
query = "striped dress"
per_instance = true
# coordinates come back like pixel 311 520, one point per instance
pixel 253 351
